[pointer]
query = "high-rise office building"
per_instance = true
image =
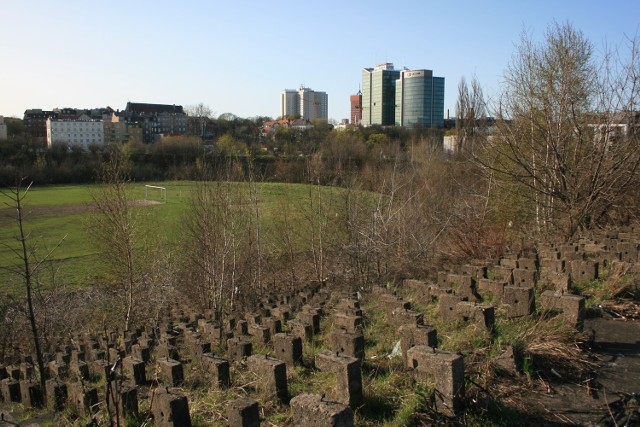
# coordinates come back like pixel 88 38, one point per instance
pixel 313 105
pixel 289 103
pixel 356 108
pixel 305 102
pixel 419 99
pixel 379 95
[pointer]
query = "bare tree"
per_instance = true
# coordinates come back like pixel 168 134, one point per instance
pixel 199 116
pixel 118 235
pixel 29 265
pixel 471 115
pixel 217 236
pixel 554 121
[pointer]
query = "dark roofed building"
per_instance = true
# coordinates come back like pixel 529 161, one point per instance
pixel 157 119
pixel 36 121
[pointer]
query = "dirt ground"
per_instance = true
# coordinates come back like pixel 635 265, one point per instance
pixel 610 395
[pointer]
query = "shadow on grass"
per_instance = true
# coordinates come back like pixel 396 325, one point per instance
pixel 376 409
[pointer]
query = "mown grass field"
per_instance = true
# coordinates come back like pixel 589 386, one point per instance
pixel 59 217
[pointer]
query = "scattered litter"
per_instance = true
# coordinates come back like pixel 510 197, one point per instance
pixel 397 351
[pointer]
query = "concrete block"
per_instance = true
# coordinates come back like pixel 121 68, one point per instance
pixel 482 315
pixel 83 398
pixel 239 348
pixel 401 316
pixel 311 410
pixel 511 361
pixel 56 370
pixel 391 302
pixel 351 324
pixel 571 307
pixel 27 371
pixel 124 400
pixel 447 369
pixel 552 265
pixel 32 394
pixel 527 264
pixel 583 270
pixel 300 329
pixel 413 335
pixel 509 263
pixel 218 368
pixel 274 325
pixel 141 353
pixel 134 370
pixel 502 274
pixel 171 372
pixel 493 287
pixel 272 377
pixel 310 317
pixel 347 343
pixel 260 334
pixel 627 251
pixel 79 370
pixel 519 301
pixel 242 328
pixel 346 369
pixel 523 277
pixel 476 271
pixel 243 412
pixel 463 285
pixel 288 348
pixel 447 306
pixel 10 390
pixel 170 409
pixel 56 394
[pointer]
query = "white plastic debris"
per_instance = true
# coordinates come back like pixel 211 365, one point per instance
pixel 397 351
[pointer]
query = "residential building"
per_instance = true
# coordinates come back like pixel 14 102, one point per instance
pixel 117 129
pixel 305 102
pixel 419 99
pixel 356 108
pixel 83 131
pixel 379 95
pixel 313 104
pixel 613 127
pixel 35 120
pixel 289 103
pixel 3 129
pixel 156 119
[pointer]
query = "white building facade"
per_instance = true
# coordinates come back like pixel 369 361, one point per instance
pixel 305 102
pixel 83 131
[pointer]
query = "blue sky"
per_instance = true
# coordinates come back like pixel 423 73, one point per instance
pixel 237 56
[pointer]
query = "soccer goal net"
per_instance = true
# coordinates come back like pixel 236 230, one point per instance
pixel 155 192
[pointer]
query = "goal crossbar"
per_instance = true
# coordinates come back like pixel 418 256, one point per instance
pixel 163 192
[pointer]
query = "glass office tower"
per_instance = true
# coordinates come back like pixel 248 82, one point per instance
pixel 419 99
pixel 379 95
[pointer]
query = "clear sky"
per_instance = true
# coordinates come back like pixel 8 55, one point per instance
pixel 238 55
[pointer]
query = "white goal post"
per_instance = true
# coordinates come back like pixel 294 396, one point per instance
pixel 162 190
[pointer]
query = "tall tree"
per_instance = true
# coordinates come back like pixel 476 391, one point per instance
pixel 118 234
pixel 199 116
pixel 553 130
pixel 216 233
pixel 29 265
pixel 471 115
